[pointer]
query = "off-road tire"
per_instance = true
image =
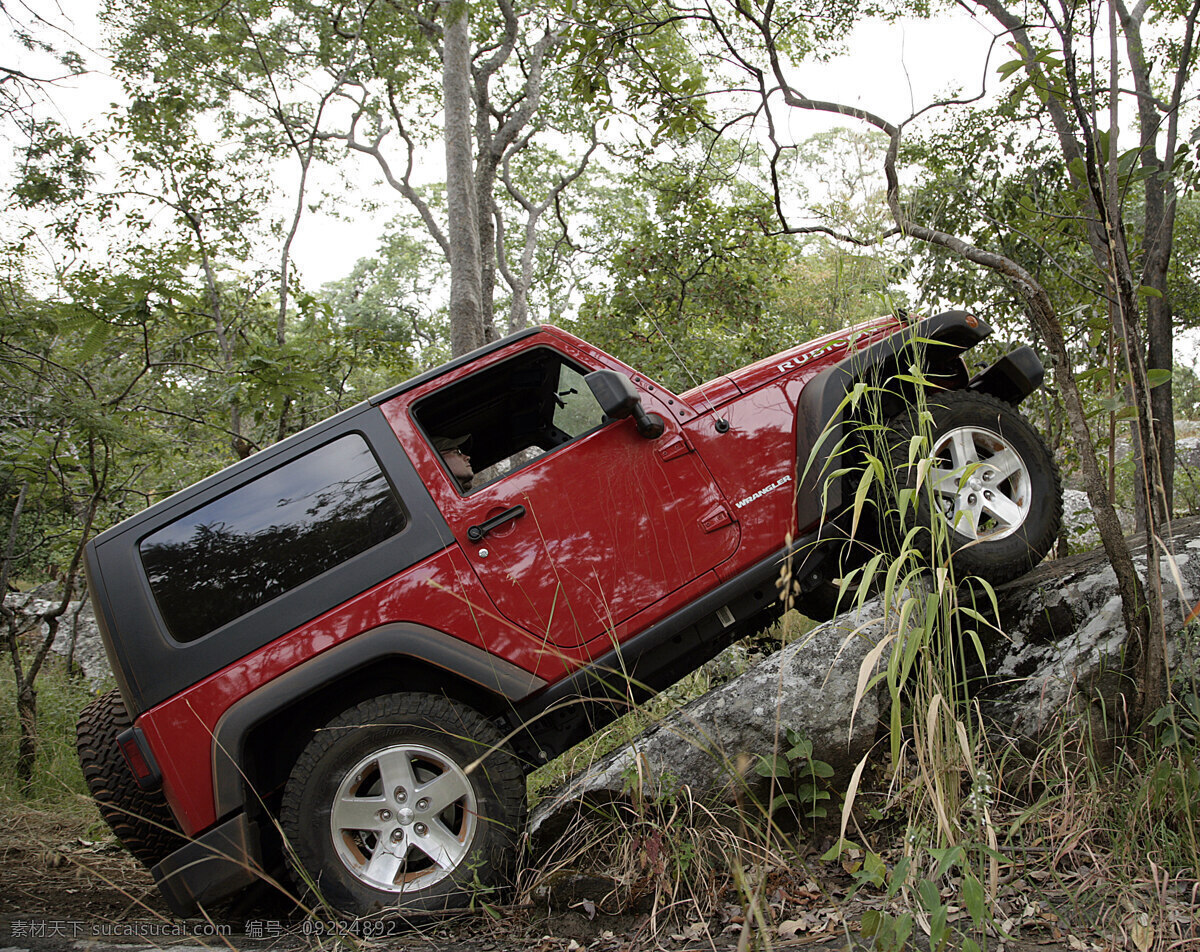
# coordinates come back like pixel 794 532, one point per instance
pixel 982 424
pixel 141 819
pixel 354 765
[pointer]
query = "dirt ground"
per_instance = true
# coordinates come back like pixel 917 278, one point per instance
pixel 62 891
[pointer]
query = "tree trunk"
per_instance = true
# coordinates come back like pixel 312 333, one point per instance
pixel 1160 354
pixel 485 186
pixel 1160 207
pixel 27 744
pixel 466 291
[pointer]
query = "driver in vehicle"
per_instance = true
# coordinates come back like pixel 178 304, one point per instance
pixel 457 461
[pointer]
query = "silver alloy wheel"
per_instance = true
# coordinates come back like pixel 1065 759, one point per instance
pixel 404 818
pixel 982 483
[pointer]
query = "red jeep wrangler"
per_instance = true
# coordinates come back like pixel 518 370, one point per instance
pixel 340 640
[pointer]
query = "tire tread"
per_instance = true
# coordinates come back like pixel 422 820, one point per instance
pixel 140 819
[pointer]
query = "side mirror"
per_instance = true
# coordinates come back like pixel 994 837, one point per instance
pixel 618 399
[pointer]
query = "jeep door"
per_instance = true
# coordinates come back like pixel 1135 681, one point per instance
pixel 576 523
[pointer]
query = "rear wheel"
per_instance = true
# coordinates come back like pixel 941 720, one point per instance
pixel 408 802
pixel 991 482
pixel 141 819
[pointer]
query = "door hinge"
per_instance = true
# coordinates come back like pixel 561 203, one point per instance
pixel 675 446
pixel 715 518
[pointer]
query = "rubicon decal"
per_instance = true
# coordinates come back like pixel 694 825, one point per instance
pixel 781 481
pixel 797 362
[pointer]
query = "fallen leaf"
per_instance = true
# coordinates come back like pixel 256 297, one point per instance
pixel 691 932
pixel 789 927
pixel 1142 932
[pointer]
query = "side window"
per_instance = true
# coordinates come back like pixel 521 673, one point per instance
pixel 577 411
pixel 270 535
pixel 509 414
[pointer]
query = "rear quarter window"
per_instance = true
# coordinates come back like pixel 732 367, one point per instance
pixel 269 536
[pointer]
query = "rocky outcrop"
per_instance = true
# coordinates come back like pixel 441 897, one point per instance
pixel 1062 640
pixel 1079 525
pixel 1063 633
pixel 78 636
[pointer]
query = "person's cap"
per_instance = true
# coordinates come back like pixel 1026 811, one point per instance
pixel 444 444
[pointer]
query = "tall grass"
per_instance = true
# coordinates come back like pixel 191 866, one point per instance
pixel 939 770
pixel 58 780
pixel 975 813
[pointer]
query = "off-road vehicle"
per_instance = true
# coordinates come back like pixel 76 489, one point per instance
pixel 335 655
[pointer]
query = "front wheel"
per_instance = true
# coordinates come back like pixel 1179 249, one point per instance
pixel 408 802
pixel 985 475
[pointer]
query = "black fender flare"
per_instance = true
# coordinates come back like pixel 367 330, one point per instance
pixel 1013 377
pixel 820 416
pixel 463 661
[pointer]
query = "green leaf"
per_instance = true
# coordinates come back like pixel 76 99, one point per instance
pixel 930 898
pixel 1007 69
pixel 899 876
pixel 1157 376
pixel 860 497
pixel 782 800
pixel 947 858
pixel 1162 714
pixel 772 765
pixel 801 750
pixel 938 933
pixel 831 855
pixel 94 342
pixel 974 900
pixel 875 868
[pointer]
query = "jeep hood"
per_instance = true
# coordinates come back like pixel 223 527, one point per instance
pixel 822 350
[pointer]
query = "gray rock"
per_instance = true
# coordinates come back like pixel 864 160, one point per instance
pixel 1187 453
pixel 1080 525
pixel 711 745
pixel 76 622
pixel 1187 473
pixel 1064 634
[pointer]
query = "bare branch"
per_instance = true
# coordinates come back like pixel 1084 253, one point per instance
pixel 401 184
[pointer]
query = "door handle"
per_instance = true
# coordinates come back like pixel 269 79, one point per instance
pixel 475 533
